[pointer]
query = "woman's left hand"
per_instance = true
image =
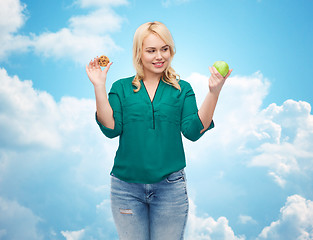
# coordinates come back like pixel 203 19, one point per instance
pixel 216 80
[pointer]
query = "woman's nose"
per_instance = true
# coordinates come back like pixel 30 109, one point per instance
pixel 158 56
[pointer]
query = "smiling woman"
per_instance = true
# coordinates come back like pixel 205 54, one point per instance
pixel 54 165
pixel 149 112
pixel 156 55
pixel 153 52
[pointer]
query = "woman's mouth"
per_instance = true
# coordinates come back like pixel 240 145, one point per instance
pixel 158 64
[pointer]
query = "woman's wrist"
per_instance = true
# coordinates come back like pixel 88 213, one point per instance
pixel 99 86
pixel 214 94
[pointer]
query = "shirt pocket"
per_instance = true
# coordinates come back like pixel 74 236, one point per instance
pixel 170 111
pixel 134 109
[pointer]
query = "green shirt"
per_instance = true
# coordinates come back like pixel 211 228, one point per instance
pixel 150 140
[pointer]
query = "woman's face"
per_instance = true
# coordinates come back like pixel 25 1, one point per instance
pixel 155 56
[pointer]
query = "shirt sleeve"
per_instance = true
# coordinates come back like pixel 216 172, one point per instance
pixel 116 106
pixel 191 124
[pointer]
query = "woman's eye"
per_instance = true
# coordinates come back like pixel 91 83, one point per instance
pixel 150 51
pixel 165 49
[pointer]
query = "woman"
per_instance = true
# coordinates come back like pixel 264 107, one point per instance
pixel 149 112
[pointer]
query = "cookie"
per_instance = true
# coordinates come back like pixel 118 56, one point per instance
pixel 103 61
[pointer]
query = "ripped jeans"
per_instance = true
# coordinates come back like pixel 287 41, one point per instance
pixel 150 211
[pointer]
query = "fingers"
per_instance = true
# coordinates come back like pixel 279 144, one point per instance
pixel 108 67
pixel 216 74
pixel 88 72
pixel 90 69
pixel 93 63
pixel 211 70
pixel 229 72
pixel 90 64
pixel 96 61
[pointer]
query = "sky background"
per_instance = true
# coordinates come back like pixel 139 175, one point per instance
pixel 251 177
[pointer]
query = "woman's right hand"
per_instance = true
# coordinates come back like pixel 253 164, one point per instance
pixel 96 75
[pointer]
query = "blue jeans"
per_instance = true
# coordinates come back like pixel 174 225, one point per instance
pixel 150 211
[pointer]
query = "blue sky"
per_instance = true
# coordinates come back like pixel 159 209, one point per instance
pixel 248 178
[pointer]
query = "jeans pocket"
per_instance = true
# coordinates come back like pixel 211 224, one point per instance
pixel 175 176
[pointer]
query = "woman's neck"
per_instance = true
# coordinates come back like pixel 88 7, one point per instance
pixel 151 78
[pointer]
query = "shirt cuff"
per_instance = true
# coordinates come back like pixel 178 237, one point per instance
pixel 110 133
pixel 201 125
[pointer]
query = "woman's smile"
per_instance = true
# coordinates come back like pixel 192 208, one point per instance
pixel 158 64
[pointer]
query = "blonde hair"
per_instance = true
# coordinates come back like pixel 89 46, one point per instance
pixel 169 75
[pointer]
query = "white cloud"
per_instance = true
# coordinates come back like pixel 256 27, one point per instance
pixel 53 154
pixel 32 119
pixel 291 152
pixel 17 222
pixel 168 3
pixel 295 221
pixel 12 18
pixel 73 235
pixel 244 219
pixel 279 138
pixel 67 44
pixel 206 228
pixel 101 3
pixel 236 115
pixel 277 178
pixel 27 116
pixel 85 37
pixel 100 21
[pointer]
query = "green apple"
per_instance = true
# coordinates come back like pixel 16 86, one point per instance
pixel 222 67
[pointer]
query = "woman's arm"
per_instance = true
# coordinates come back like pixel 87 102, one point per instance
pixel 206 111
pixel 104 109
pixel 98 79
